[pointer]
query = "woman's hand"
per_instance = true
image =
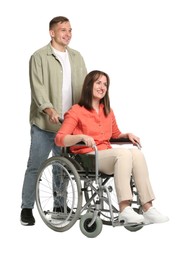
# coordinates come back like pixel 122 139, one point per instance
pixel 88 140
pixel 134 139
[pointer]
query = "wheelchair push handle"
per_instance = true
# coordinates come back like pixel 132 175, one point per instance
pixel 60 120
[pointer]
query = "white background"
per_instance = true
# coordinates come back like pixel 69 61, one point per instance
pixel 142 45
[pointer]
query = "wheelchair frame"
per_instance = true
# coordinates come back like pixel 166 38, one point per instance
pixel 61 183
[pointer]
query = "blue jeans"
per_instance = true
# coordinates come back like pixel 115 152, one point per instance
pixel 42 143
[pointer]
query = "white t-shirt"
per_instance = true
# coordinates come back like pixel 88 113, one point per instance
pixel 66 84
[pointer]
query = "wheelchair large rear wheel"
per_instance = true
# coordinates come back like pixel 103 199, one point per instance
pixel 58 194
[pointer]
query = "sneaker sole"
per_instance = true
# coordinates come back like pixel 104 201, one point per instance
pixel 27 224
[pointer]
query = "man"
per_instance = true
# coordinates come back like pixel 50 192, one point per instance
pixel 56 75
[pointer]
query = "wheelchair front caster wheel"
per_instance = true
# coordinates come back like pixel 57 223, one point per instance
pixel 93 230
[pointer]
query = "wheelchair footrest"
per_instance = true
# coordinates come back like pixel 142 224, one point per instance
pixel 117 223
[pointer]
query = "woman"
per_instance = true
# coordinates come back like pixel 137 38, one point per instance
pixel 93 122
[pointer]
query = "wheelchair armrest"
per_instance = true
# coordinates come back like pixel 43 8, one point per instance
pixel 120 141
pixel 113 141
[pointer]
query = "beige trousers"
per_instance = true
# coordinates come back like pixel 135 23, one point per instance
pixel 123 163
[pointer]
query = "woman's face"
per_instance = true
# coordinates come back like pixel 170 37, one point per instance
pixel 100 87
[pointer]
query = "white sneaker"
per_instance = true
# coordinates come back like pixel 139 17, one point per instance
pixel 152 216
pixel 128 215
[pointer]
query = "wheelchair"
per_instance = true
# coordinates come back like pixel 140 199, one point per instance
pixel 70 188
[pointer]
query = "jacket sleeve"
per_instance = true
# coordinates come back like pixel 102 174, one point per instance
pixel 39 91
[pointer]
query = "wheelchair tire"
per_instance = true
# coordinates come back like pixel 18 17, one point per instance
pixel 94 230
pixel 55 173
